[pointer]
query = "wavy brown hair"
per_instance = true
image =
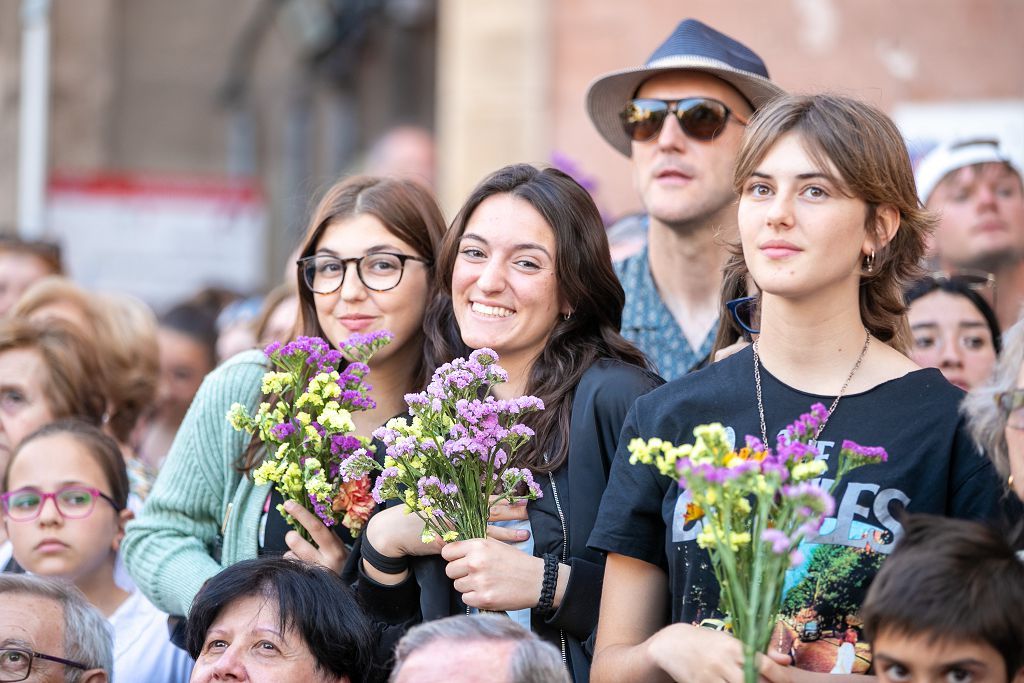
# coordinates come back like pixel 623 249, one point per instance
pixel 867 150
pixel 583 268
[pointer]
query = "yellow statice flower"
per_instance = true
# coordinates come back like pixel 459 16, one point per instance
pixel 809 470
pixel 276 382
pixel 335 420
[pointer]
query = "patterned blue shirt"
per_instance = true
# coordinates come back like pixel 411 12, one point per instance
pixel 649 324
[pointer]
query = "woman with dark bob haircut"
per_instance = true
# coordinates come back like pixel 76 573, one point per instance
pixel 273 619
pixel 831 231
pixel 366 264
pixel 525 271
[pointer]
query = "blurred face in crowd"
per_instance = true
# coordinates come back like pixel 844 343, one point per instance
pixel 981 211
pixel 801 235
pixel 23 403
pixel 1014 434
pixel 282 320
pixel 74 548
pixel 184 362
pixel 32 622
pixel 681 179
pixel 441 660
pixel 922 658
pixel 17 272
pixel 951 334
pixel 504 286
pixel 245 643
pixel 355 308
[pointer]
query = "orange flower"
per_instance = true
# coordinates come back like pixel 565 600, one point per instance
pixel 355 500
pixel 693 513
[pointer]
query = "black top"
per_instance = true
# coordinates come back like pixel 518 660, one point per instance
pixel 600 404
pixel 933 467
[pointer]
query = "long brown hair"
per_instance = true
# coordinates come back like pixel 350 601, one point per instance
pixel 867 150
pixel 408 211
pixel 586 280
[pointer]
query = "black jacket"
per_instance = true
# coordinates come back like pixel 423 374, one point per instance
pixel 603 397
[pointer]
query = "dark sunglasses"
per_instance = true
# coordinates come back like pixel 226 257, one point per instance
pixel 741 311
pixel 702 118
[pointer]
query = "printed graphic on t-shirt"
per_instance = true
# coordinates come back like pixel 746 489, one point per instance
pixel 819 623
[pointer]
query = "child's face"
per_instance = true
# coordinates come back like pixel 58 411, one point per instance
pixel 50 544
pixel 902 658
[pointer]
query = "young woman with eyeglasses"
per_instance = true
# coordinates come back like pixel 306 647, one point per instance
pixel 954 328
pixel 64 509
pixel 831 229
pixel 525 270
pixel 366 264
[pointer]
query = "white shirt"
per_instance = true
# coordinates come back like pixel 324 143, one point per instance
pixel 143 652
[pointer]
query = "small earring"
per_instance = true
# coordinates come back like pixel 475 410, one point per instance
pixel 567 316
pixel 1009 481
pixel 869 262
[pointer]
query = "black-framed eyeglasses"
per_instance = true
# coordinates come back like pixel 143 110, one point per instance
pixel 16 663
pixel 1012 404
pixel 742 310
pixel 379 271
pixel 73 502
pixel 702 118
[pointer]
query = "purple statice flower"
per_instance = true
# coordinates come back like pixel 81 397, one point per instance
pixel 382 479
pixel 864 455
pixel 385 435
pixel 754 444
pixel 794 452
pixel 521 431
pixel 344 444
pixel 515 480
pixel 283 430
pixel 432 488
pixel 323 511
pixel 806 426
pixel 272 348
pixel 796 558
pixel 778 540
pixel 807 495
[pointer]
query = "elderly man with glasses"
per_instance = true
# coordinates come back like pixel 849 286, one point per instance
pixel 50 634
pixel 680 117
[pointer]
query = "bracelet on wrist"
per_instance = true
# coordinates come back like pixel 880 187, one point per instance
pixel 381 562
pixel 547 587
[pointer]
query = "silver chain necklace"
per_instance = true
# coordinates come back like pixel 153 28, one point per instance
pixel 821 427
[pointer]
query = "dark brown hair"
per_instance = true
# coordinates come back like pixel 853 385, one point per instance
pixel 867 150
pixel 586 280
pixel 70 382
pixel 101 447
pixel 951 580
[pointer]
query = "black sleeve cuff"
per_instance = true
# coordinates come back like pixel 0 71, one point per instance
pixel 578 610
pixel 397 604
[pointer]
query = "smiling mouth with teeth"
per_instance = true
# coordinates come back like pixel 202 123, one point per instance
pixel 493 311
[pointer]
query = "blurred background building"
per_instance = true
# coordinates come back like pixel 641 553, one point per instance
pixel 188 139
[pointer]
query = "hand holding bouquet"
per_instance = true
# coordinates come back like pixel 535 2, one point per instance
pixel 306 426
pixel 450 463
pixel 756 506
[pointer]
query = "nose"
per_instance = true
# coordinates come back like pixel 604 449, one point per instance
pixel 228 667
pixel 352 287
pixel 951 354
pixel 780 212
pixel 671 136
pixel 492 277
pixel 48 512
pixel 985 197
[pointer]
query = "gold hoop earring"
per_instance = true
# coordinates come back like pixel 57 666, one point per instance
pixel 567 316
pixel 869 262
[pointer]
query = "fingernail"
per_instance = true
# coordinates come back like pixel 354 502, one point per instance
pixel 522 534
pixel 289 505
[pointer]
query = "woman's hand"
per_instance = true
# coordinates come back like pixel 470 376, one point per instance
pixel 692 654
pixel 329 550
pixel 492 575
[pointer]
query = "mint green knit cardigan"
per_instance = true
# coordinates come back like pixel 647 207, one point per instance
pixel 198 493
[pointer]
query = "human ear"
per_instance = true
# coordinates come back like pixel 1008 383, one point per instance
pixel 94 676
pixel 887 223
pixel 123 518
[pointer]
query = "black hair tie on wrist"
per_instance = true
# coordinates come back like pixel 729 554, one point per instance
pixel 380 562
pixel 547 586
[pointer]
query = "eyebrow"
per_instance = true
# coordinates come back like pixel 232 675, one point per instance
pixel 518 247
pixel 799 176
pixel 16 643
pixel 963 323
pixel 370 250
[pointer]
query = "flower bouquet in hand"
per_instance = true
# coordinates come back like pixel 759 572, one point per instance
pixel 306 426
pixel 450 463
pixel 756 506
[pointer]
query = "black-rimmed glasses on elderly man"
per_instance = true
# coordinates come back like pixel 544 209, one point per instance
pixel 379 271
pixel 16 663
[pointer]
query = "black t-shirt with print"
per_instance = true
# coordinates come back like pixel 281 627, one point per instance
pixel 933 467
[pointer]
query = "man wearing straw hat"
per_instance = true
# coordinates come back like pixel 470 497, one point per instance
pixel 682 169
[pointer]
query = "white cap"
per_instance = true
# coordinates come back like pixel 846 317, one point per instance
pixel 950 156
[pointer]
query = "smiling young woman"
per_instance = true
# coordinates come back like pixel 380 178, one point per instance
pixel 830 229
pixel 366 265
pixel 525 270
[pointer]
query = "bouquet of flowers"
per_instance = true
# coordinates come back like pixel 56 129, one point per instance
pixel 756 506
pixel 306 426
pixel 450 463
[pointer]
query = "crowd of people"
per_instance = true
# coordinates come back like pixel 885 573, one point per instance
pixel 789 256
